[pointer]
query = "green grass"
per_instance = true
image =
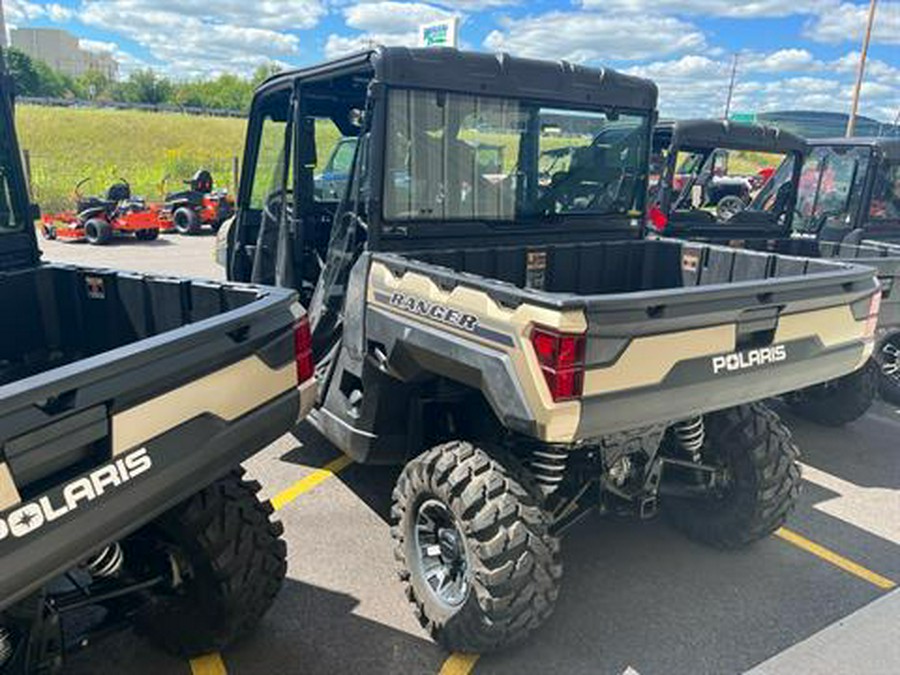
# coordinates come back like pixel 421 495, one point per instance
pixel 66 145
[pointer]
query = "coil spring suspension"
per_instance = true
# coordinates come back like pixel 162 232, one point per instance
pixel 6 646
pixel 691 435
pixel 107 563
pixel 548 465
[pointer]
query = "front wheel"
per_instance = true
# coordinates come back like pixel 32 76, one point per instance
pixel 475 551
pixel 98 232
pixel 888 358
pixel 840 401
pixel 147 235
pixel 231 560
pixel 757 458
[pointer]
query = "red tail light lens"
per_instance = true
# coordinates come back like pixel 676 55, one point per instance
pixel 657 219
pixel 561 357
pixel 872 320
pixel 303 351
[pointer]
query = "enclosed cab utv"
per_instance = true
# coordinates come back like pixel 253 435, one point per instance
pixel 508 335
pixel 801 209
pixel 127 403
pixel 853 193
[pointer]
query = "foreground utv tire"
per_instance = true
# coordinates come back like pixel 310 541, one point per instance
pixel 233 561
pixel 839 402
pixel 476 518
pixel 186 221
pixel 760 459
pixel 888 358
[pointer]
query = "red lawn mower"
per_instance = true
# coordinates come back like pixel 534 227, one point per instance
pixel 97 220
pixel 186 212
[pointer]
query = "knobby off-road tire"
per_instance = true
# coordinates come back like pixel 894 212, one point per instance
pixel 98 232
pixel 186 221
pixel 513 567
pixel 760 457
pixel 888 359
pixel 841 401
pixel 235 565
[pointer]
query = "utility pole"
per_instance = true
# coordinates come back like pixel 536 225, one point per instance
pixel 851 123
pixel 734 63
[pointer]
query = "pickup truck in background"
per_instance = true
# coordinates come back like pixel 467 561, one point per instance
pixel 127 403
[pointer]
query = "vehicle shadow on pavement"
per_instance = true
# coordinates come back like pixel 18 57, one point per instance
pixel 371 484
pixel 315 630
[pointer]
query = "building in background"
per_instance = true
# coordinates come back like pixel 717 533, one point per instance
pixel 61 51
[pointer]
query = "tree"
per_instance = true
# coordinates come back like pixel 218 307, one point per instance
pixel 23 73
pixel 144 86
pixel 92 85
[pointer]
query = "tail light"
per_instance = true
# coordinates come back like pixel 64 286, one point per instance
pixel 872 319
pixel 303 351
pixel 657 219
pixel 561 357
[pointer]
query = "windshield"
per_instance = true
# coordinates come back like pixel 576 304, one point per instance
pixel 461 157
pixel 719 183
pixel 830 187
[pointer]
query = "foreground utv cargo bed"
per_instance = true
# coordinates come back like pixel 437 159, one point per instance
pixel 120 394
pixel 673 329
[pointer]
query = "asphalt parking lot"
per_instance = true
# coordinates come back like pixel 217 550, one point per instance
pixel 637 597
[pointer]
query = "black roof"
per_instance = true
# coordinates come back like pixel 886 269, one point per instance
pixel 889 146
pixel 444 68
pixel 730 136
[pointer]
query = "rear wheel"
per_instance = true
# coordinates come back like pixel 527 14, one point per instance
pixel 480 565
pixel 840 401
pixel 186 221
pixel 98 232
pixel 758 460
pixel 888 359
pixel 232 561
pixel 729 206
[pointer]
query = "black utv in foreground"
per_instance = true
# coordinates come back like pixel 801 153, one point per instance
pixel 802 209
pixel 127 403
pixel 510 338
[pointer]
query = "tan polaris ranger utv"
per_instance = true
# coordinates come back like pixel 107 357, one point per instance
pixel 503 330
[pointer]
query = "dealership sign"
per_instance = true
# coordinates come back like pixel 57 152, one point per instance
pixel 440 33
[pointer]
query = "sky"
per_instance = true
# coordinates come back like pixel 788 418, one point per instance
pixel 792 54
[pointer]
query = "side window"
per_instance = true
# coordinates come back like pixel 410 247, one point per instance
pixel 808 191
pixel 886 194
pixel 838 176
pixel 269 162
pixel 334 156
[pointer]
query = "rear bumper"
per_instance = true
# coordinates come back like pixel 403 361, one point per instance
pixel 694 388
pixel 147 481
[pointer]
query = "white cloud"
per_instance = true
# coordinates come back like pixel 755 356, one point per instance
pixel 388 18
pixel 188 38
pixel 22 10
pixel 847 22
pixel 697 86
pixel 581 37
pixel 726 8
pixel 385 23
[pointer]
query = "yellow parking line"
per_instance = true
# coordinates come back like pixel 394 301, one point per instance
pixel 835 559
pixel 459 664
pixel 306 484
pixel 211 664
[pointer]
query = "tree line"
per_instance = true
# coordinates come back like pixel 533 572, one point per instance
pixel 33 77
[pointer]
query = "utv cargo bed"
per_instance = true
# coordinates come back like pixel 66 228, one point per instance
pixel 120 395
pixel 672 329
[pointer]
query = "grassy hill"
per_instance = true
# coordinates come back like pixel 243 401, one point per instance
pixel 67 145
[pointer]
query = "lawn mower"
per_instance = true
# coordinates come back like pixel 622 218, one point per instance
pixel 186 212
pixel 98 219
